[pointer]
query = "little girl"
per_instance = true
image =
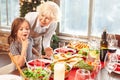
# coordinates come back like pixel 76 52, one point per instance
pixel 20 42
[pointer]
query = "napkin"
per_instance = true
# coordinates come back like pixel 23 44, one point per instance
pixel 117 67
pixel 37 63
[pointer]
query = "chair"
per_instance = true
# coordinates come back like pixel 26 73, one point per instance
pixel 4 59
pixel 118 38
pixel 6 66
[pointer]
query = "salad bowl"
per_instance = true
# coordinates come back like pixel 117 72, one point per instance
pixel 36 74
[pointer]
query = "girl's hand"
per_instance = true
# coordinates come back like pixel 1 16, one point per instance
pixel 25 43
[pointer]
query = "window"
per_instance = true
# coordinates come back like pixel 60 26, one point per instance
pixel 89 17
pixel 74 16
pixel 9 9
pixel 106 15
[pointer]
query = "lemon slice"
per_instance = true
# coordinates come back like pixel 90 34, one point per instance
pixel 94 53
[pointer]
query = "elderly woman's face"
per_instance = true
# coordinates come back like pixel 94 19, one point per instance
pixel 45 20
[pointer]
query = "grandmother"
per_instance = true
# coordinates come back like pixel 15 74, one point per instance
pixel 44 24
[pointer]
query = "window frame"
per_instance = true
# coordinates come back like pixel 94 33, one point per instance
pixel 89 27
pixel 7 25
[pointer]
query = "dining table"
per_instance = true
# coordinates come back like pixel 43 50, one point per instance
pixel 103 74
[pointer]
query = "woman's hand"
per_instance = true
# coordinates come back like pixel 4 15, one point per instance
pixel 48 52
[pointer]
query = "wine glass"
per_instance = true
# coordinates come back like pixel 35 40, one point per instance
pixel 82 74
pixel 61 44
pixel 94 43
pixel 110 62
pixel 112 43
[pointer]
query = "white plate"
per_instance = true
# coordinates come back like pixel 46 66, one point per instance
pixel 10 77
pixel 46 60
pixel 64 50
pixel 118 72
pixel 43 60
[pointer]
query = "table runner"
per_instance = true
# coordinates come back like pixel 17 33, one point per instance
pixel 73 71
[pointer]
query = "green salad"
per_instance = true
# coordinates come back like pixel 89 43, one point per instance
pixel 83 65
pixel 36 74
pixel 83 51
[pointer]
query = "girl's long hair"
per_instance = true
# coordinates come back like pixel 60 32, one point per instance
pixel 14 29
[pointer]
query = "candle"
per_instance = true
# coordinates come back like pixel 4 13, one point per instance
pixel 59 71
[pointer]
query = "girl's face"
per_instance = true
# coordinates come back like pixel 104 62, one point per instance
pixel 23 31
pixel 45 20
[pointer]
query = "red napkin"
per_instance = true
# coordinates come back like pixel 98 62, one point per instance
pixel 102 65
pixel 73 71
pixel 118 67
pixel 118 57
pixel 72 74
pixel 37 63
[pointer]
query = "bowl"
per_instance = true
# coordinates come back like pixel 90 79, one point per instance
pixel 36 74
pixel 32 64
pixel 64 50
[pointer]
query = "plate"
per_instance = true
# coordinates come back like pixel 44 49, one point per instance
pixel 118 55
pixel 117 69
pixel 10 77
pixel 118 72
pixel 64 50
pixel 38 62
pixel 46 60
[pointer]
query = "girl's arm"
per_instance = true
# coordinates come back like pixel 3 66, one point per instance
pixel 19 56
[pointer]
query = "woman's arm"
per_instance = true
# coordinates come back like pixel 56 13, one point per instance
pixel 47 38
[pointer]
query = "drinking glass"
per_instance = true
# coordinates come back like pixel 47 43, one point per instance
pixel 61 44
pixel 94 43
pixel 112 43
pixel 82 74
pixel 110 61
pixel 97 68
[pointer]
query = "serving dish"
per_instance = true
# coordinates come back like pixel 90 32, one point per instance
pixel 38 63
pixel 117 69
pixel 118 72
pixel 36 74
pixel 37 70
pixel 65 50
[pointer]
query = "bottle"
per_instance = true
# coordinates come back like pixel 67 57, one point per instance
pixel 103 46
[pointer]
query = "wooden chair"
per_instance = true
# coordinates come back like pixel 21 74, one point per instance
pixel 118 38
